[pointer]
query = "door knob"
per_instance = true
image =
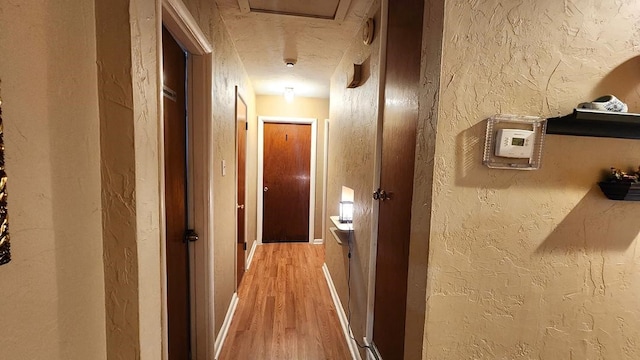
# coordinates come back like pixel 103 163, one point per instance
pixel 241 206
pixel 266 189
pixel 380 194
pixel 190 236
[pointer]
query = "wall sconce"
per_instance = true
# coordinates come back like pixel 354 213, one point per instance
pixel 346 205
pixel 346 212
pixel 344 220
pixel 288 94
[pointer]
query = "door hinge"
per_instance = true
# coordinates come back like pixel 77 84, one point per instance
pixel 244 246
pixel 246 126
pixel 190 236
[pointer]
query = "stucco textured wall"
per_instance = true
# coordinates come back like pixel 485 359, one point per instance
pixel 423 177
pixel 533 264
pixel 317 108
pixel 352 152
pixel 228 72
pixel 52 303
pixel 128 83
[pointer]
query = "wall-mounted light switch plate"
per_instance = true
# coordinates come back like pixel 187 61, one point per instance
pixel 224 167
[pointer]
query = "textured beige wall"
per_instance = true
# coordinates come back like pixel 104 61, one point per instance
pixel 533 264
pixel 228 72
pixel 145 50
pixel 52 304
pixel 423 177
pixel 128 83
pixel 317 108
pixel 352 137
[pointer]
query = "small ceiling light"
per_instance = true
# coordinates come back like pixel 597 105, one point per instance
pixel 290 62
pixel 288 94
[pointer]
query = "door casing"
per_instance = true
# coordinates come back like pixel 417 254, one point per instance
pixel 312 189
pixel 325 180
pixel 177 19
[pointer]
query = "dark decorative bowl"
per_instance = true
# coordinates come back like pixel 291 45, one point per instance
pixel 620 190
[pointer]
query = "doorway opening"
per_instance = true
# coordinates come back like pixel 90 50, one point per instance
pixel 199 179
pixel 286 201
pixel 396 180
pixel 241 188
pixel 174 64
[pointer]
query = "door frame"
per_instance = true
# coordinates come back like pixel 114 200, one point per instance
pixel 312 188
pixel 325 171
pixel 239 97
pixel 181 24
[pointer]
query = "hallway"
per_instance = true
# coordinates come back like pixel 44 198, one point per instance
pixel 285 309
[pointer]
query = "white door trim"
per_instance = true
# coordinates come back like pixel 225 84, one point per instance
pixel 325 169
pixel 312 187
pixel 177 19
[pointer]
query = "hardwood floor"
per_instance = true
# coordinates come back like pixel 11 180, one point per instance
pixel 285 309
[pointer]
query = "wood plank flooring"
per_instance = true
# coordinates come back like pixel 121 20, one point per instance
pixel 285 310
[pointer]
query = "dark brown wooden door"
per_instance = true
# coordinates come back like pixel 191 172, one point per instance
pixel 175 147
pixel 241 140
pixel 286 182
pixel 396 178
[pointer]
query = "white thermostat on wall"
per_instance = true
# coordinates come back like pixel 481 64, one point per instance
pixel 514 143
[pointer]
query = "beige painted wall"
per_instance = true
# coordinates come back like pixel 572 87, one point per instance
pixel 228 72
pixel 533 264
pixel 128 88
pixel 422 202
pixel 270 105
pixel 352 141
pixel 55 285
pixel 53 300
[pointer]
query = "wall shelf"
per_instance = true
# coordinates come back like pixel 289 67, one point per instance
pixel 620 190
pixel 584 122
pixel 341 226
pixel 340 230
pixel 335 234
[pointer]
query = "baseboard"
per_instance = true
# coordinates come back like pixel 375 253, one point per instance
pixel 353 347
pixel 318 241
pixel 251 252
pixel 222 335
pixel 371 348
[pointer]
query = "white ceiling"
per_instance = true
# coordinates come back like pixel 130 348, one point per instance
pixel 264 38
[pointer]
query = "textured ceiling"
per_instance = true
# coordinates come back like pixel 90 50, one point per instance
pixel 264 40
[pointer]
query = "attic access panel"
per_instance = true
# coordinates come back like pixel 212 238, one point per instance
pixel 326 9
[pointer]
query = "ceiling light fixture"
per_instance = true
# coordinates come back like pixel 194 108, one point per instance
pixel 288 94
pixel 290 62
